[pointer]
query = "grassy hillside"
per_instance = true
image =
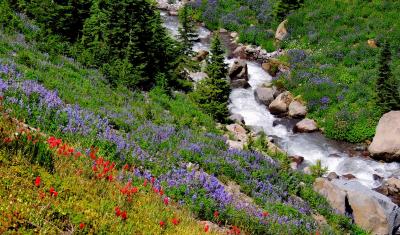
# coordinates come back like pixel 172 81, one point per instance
pixel 337 70
pixel 63 193
pixel 149 136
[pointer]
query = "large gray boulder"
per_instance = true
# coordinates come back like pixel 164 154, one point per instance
pixel 306 126
pixel 238 132
pixel 372 211
pixel 281 32
pixel 297 109
pixel 264 95
pixel 281 103
pixel 238 74
pixel 386 143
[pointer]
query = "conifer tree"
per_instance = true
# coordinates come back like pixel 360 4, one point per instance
pixel 212 93
pixel 387 85
pixel 187 31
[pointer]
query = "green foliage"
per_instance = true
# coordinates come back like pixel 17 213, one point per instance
pixel 387 85
pixel 212 93
pixel 187 31
pixel 318 170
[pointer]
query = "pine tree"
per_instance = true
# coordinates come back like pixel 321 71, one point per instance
pixel 387 85
pixel 121 31
pixel 212 93
pixel 187 31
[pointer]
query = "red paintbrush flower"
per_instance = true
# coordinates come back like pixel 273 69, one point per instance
pixel 145 183
pixel 166 201
pixel 175 221
pixel 37 181
pixel 81 225
pixel 265 214
pixel 161 192
pixel 117 211
pixel 124 215
pixel 162 223
pixel 206 228
pixel 153 180
pixel 216 214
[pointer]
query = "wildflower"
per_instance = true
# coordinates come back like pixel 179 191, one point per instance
pixel 162 223
pixel 126 167
pixel 152 180
pixel 166 201
pixel 145 183
pixel 155 190
pixel 206 228
pixel 134 190
pixel 37 181
pixel 82 225
pixel 161 192
pixel 53 192
pixel 7 140
pixel 110 178
pixel 265 214
pixel 216 214
pixel 78 154
pixel 117 211
pixel 175 221
pixel 234 230
pixel 124 215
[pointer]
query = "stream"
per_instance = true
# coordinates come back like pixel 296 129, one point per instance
pixel 312 146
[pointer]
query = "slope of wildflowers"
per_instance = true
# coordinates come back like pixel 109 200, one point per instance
pixel 166 142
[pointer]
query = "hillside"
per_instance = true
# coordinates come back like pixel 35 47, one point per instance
pixel 103 130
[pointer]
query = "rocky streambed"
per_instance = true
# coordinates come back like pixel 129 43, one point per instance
pixel 254 102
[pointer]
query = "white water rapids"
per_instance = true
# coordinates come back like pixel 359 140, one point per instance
pixel 312 146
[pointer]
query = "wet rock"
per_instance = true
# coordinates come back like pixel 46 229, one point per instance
pixel 264 95
pixel 201 55
pixel 349 176
pixel 237 118
pixel 372 211
pixel 281 103
pixel 281 32
pixel 360 148
pixel 240 52
pixel 273 148
pixel 173 13
pixel 306 126
pixel 238 132
pixel 297 159
pixel 377 177
pixel 238 75
pixel 297 109
pixel 332 176
pixel 386 143
pixel 391 188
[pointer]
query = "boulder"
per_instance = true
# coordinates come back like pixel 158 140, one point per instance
pixel 372 43
pixel 222 30
pixel 281 103
pixel 306 126
pixel 281 32
pixel 386 143
pixel 201 55
pixel 233 144
pixel 238 75
pixel 391 188
pixel 238 70
pixel 264 95
pixel 173 13
pixel 349 176
pixel 196 76
pixel 297 109
pixel 273 66
pixel 332 176
pixel 372 211
pixel 240 52
pixel 238 132
pixel 237 118
pixel 234 35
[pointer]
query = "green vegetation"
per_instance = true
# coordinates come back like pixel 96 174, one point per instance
pixel 187 31
pixel 212 93
pixel 160 137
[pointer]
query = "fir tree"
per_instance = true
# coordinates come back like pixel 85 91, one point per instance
pixel 387 84
pixel 212 93
pixel 187 31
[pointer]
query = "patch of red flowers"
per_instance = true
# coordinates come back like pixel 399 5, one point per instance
pixel 234 230
pixel 119 213
pixel 82 225
pixel 53 192
pixel 53 142
pixel 175 221
pixel 265 214
pixel 37 181
pixel 166 201
pixel 162 223
pixel 103 169
pixel 128 190
pixel 216 214
pixel 206 228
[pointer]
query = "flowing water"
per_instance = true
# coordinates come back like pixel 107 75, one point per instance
pixel 311 146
